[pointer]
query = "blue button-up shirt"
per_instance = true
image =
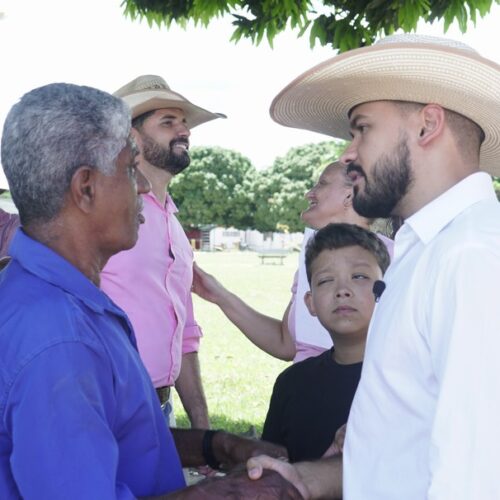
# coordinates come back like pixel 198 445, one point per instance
pixel 79 417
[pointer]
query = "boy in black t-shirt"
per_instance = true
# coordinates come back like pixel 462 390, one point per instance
pixel 312 399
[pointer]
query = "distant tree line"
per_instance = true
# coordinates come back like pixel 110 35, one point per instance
pixel 222 187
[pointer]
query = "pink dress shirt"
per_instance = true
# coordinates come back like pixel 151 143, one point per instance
pixel 152 284
pixel 8 225
pixel 303 350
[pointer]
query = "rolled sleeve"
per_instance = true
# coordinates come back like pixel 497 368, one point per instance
pixel 192 333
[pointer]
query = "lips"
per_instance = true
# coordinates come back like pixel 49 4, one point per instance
pixel 355 173
pixel 353 176
pixel 184 145
pixel 344 310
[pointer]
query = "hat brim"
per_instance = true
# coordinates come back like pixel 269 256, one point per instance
pixel 321 98
pixel 149 100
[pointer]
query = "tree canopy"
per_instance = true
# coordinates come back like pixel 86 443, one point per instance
pixel 215 189
pixel 279 190
pixel 343 24
pixel 222 187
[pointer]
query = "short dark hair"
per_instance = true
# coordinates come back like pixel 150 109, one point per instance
pixel 341 235
pixel 468 134
pixel 139 120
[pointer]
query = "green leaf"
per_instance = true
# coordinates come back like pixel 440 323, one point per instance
pixel 344 24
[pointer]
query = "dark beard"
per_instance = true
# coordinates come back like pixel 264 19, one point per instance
pixel 391 179
pixel 165 158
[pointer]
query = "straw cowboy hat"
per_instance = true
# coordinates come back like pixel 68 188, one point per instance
pixel 149 92
pixel 412 68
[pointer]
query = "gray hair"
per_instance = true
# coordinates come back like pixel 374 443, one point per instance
pixel 51 132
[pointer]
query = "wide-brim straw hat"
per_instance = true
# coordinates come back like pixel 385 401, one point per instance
pixel 149 92
pixel 412 68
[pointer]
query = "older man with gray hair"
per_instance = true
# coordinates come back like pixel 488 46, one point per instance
pixel 79 417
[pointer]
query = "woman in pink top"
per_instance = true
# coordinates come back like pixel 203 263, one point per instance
pixel 298 335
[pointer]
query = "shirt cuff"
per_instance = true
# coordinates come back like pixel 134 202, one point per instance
pixel 191 339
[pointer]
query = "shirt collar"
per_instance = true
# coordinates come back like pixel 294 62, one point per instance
pixel 49 266
pixel 169 203
pixel 433 217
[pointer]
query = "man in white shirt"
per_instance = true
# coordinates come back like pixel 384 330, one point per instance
pixel 422 113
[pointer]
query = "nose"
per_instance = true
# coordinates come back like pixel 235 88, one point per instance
pixel 309 194
pixel 343 291
pixel 143 185
pixel 183 130
pixel 349 155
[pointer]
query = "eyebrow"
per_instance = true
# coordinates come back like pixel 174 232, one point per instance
pixel 168 116
pixel 162 117
pixel 354 122
pixel 354 266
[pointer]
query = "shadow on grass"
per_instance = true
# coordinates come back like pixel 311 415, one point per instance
pixel 241 427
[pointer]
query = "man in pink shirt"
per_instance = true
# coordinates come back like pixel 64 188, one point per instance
pixel 152 281
pixel 8 222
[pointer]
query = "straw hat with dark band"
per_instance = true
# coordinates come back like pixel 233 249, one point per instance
pixel 149 92
pixel 412 68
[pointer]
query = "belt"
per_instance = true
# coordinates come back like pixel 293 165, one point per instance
pixel 163 394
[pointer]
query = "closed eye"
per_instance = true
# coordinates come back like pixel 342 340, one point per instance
pixel 323 281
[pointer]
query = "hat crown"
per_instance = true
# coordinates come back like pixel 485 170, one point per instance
pixel 408 38
pixel 143 83
pixel 411 68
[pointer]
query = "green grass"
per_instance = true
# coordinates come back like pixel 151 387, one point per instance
pixel 237 376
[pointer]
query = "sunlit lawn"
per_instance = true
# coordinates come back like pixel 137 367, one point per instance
pixel 237 376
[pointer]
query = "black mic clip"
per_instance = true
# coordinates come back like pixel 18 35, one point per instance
pixel 378 289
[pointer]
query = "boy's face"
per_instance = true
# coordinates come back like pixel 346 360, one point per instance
pixel 341 293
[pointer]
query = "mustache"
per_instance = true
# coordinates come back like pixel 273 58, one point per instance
pixel 354 167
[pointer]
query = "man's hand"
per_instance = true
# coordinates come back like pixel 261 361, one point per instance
pixel 237 485
pixel 320 479
pixel 257 467
pixel 337 447
pixel 231 450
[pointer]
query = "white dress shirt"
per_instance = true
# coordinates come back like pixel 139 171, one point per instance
pixel 425 421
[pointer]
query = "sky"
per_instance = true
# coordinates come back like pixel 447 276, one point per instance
pixel 91 42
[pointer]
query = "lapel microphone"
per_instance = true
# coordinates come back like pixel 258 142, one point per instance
pixel 378 289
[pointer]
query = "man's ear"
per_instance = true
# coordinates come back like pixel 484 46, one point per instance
pixel 83 189
pixel 137 137
pixel 432 122
pixel 309 303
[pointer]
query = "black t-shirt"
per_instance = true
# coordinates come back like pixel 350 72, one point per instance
pixel 310 401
